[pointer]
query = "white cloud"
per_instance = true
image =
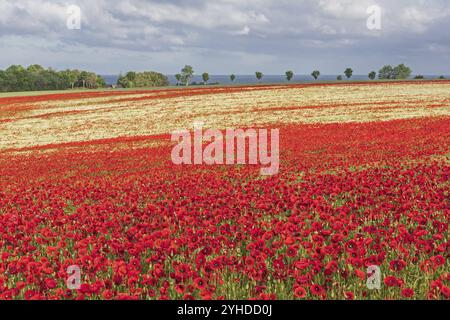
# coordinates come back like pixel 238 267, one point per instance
pixel 345 9
pixel 243 32
pixel 420 19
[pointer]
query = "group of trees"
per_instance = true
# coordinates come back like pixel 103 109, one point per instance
pixel 142 79
pixel 35 78
pixel 387 72
pixel 289 75
pixel 395 73
pixel 187 73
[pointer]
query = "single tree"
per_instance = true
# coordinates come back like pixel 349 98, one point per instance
pixel 372 75
pixel 339 78
pixel 259 75
pixel 205 77
pixel 186 74
pixel 348 73
pixel 442 78
pixel 315 74
pixel 232 77
pixel 289 75
pixel 402 72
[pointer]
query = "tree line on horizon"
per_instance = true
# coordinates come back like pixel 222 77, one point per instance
pixel 388 72
pixel 36 78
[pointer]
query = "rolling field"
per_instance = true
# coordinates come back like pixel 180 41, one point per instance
pixel 87 179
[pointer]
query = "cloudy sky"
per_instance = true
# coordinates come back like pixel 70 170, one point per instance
pixel 227 36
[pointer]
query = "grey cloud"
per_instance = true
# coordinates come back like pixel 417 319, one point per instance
pixel 226 35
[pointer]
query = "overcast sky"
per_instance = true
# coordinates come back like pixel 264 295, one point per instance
pixel 227 36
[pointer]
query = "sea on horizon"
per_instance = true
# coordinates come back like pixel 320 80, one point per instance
pixel 251 79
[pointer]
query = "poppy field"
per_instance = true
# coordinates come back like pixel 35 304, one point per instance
pixel 86 180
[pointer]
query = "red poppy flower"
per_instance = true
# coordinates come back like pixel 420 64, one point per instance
pixel 391 281
pixel 292 251
pixel 445 291
pixel 360 274
pixel 85 288
pixel 349 295
pixel 438 261
pixel 317 290
pixel 407 292
pixel 50 283
pixel 397 265
pixel 107 294
pixel 199 283
pixel 300 293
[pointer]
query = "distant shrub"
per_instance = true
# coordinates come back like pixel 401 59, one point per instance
pixel 418 77
pixel 372 75
pixel 205 77
pixel 348 73
pixel 315 74
pixel 289 75
pixel 259 75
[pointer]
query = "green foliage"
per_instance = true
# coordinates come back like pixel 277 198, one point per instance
pixel 143 79
pixel 205 77
pixel 131 76
pixel 36 78
pixel 398 73
pixel 178 77
pixel 71 77
pixel 232 77
pixel 315 74
pixel 339 78
pixel 186 74
pixel 124 82
pixel 348 73
pixel 89 80
pixel 402 72
pixel 259 75
pixel 289 75
pixel 419 77
pixel 372 75
pixel 386 73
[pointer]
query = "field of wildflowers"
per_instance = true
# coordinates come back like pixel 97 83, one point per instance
pixel 86 180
